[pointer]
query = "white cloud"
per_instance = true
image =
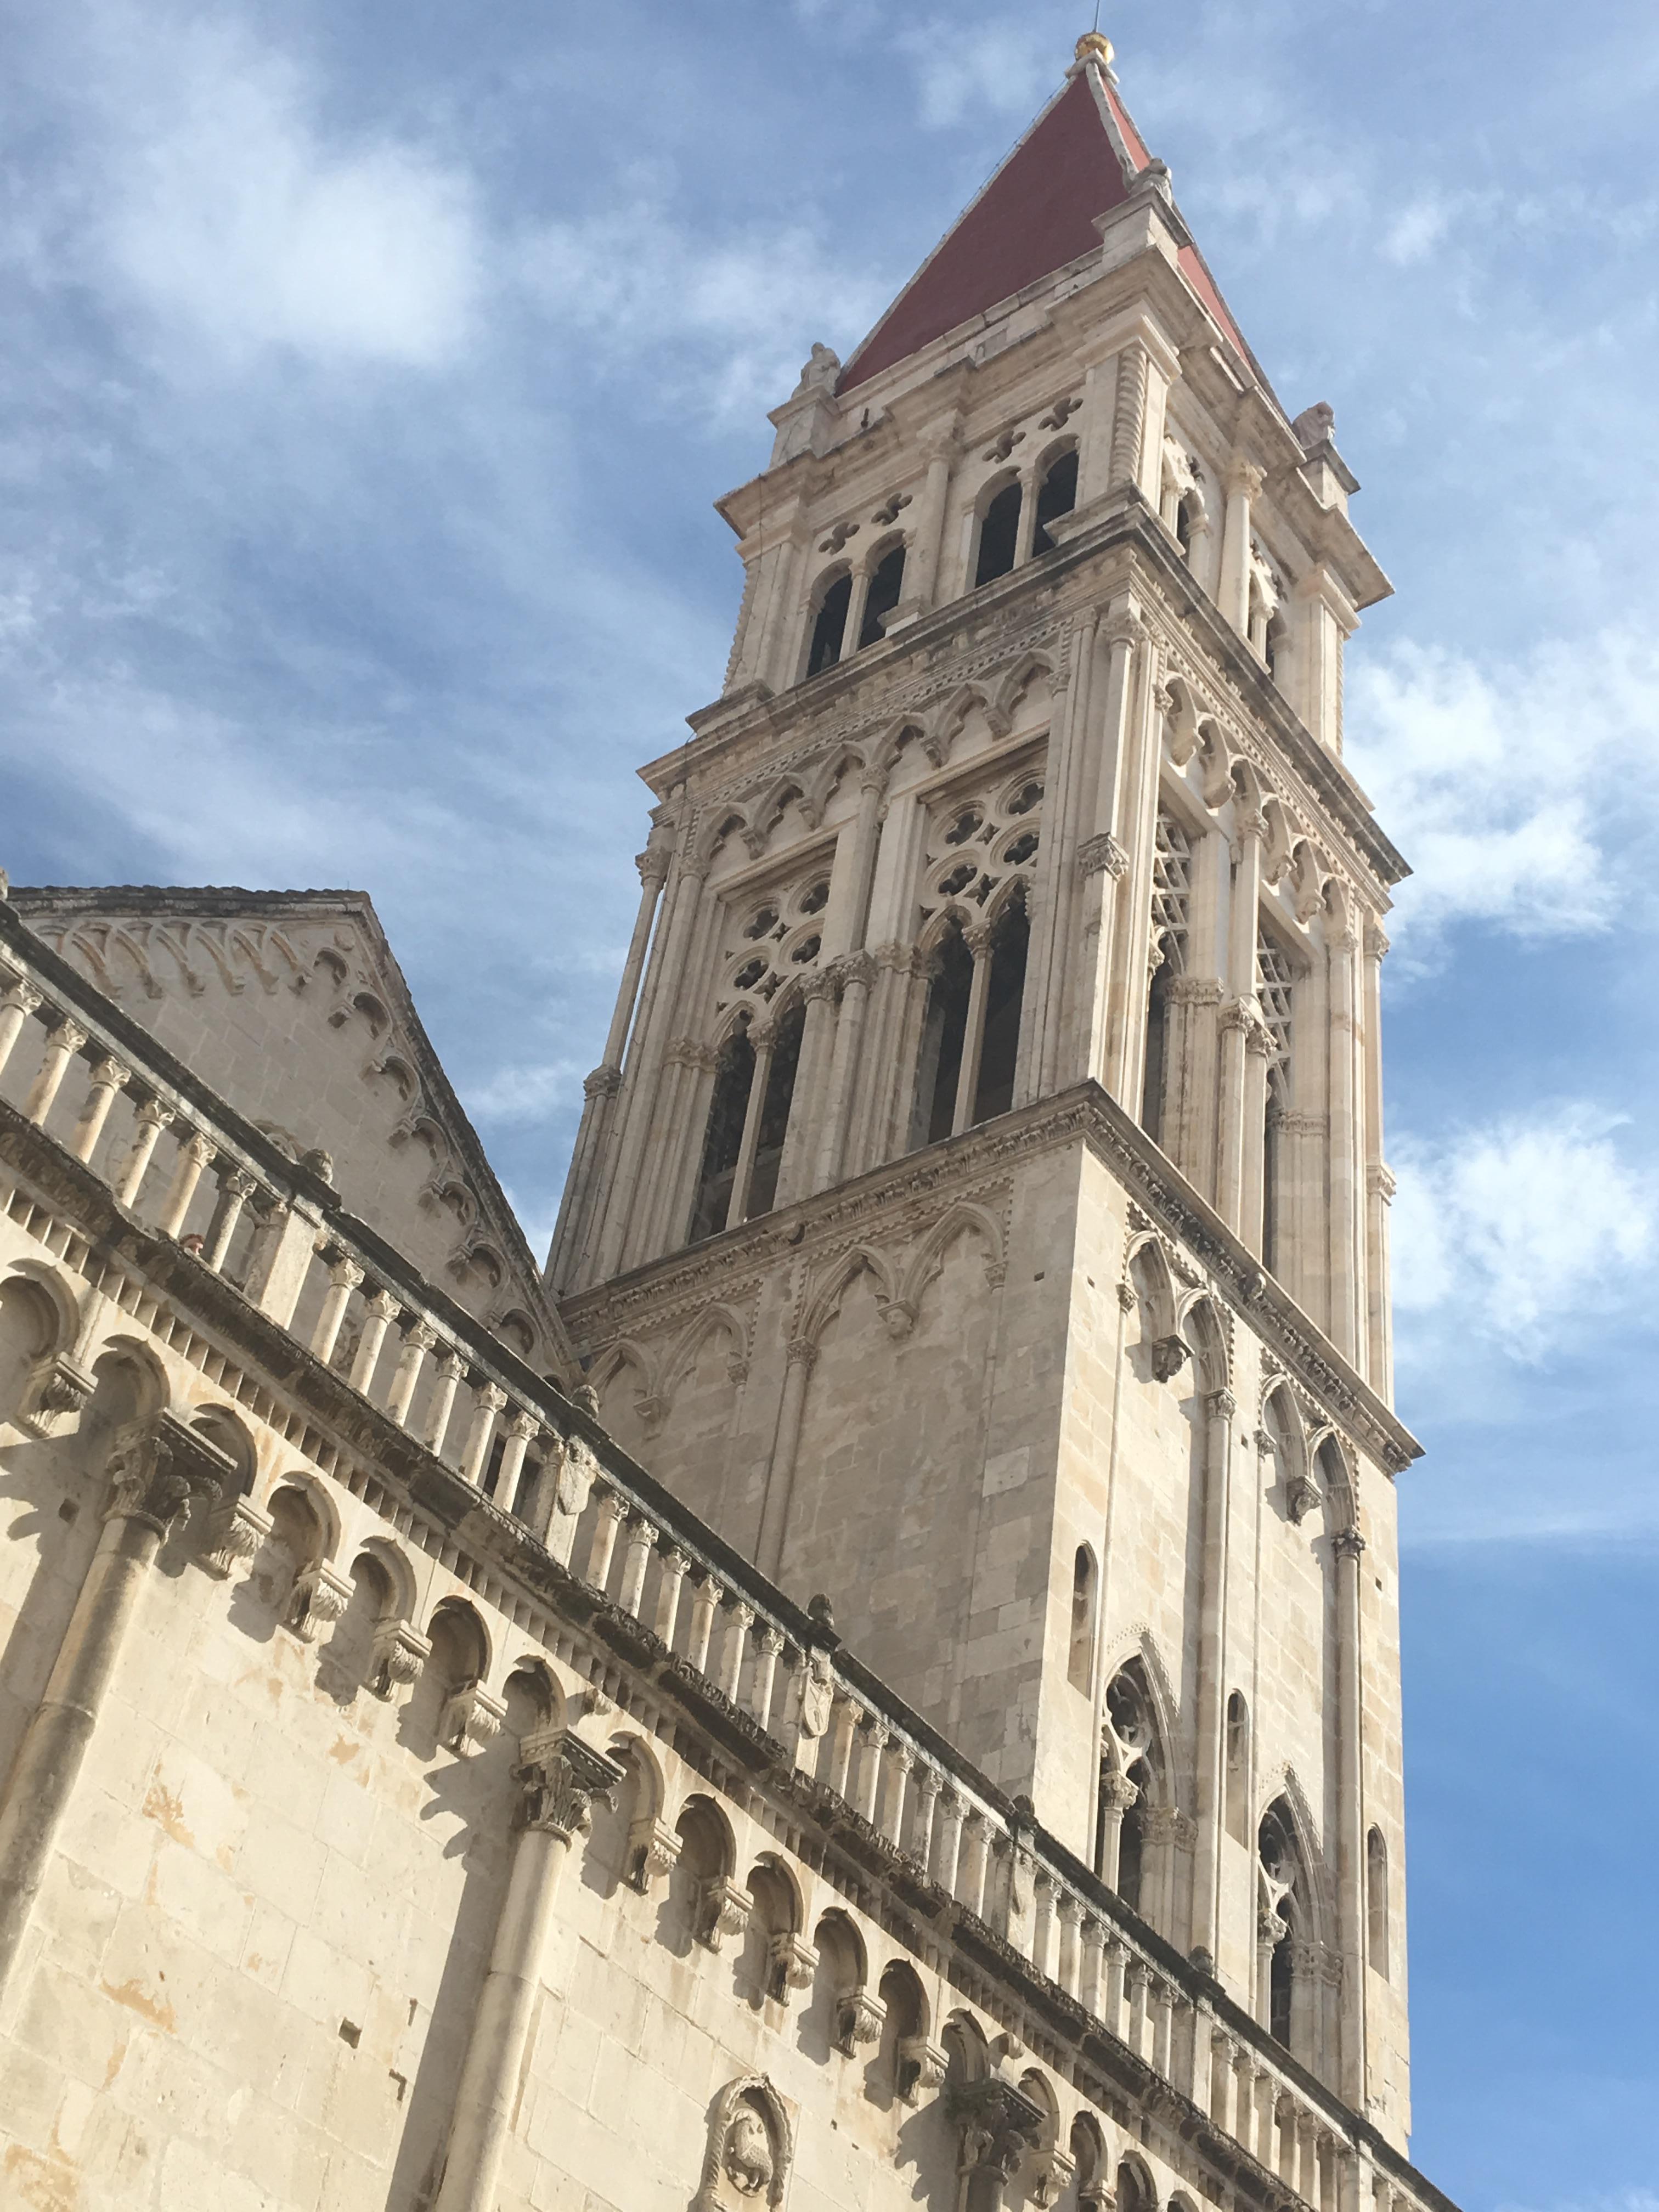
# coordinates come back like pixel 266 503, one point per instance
pixel 222 203
pixel 1003 67
pixel 740 313
pixel 1416 231
pixel 518 1095
pixel 1523 796
pixel 1520 1226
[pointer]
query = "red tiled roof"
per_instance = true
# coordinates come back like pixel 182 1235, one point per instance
pixel 1036 214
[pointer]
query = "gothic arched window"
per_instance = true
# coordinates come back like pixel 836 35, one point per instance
pixel 829 628
pixel 999 535
pixel 1172 891
pixel 944 1031
pixel 1056 495
pixel 1376 1900
pixel 1004 996
pixel 775 1112
pixel 722 1143
pixel 1133 1780
pixel 886 589
pixel 1282 1916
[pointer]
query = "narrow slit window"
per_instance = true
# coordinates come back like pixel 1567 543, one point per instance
pixel 999 536
pixel 1376 1900
pixel 998 1054
pixel 830 628
pixel 945 1029
pixel 775 1113
pixel 886 589
pixel 1058 496
pixel 728 1108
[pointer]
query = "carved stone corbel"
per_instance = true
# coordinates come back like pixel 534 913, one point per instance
pixel 791 1963
pixel 56 1389
pixel 723 1910
pixel 235 1528
pixel 859 2020
pixel 396 1658
pixel 1169 1354
pixel 471 1719
pixel 1300 1497
pixel 921 2068
pixel 653 1850
pixel 320 1595
pixel 1051 2174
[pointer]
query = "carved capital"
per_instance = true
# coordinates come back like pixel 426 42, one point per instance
pixel 802 1352
pixel 652 865
pixel 560 1778
pixel 1102 856
pixel 1117 1793
pixel 1221 1405
pixel 605 1082
pixel 156 1468
pixel 997 2125
pixel 821 984
pixel 1376 942
pixel 1348 1544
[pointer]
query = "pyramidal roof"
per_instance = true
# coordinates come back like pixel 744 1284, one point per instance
pixel 1038 213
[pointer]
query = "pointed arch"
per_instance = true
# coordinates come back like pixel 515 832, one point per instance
pixel 622 1353
pixel 927 1260
pixel 1215 763
pixel 56 1291
pixel 1281 837
pixel 1153 1280
pixel 824 1299
pixel 715 1320
pixel 1306 881
pixel 1182 714
pixel 1284 1789
pixel 717 826
pixel 1203 1328
pixel 963 701
pixel 1014 686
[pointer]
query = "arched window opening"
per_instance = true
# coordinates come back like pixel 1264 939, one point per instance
pixel 1274 983
pixel 775 1112
pixel 722 1143
pixel 1376 1900
pixel 1238 1768
pixel 1134 2194
pixel 1058 496
pixel 1131 1783
pixel 1081 1662
pixel 886 590
pixel 944 1031
pixel 1172 893
pixel 831 629
pixel 999 536
pixel 28 1330
pixel 993 1091
pixel 1282 1916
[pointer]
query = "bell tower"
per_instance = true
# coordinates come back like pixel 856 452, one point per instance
pixel 979 1215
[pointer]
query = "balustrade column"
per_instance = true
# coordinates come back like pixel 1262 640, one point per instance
pixel 344 1276
pixel 236 1187
pixel 948 1839
pixel 153 1117
pixel 379 1313
pixel 972 1862
pixel 740 1619
pixel 1137 1979
pixel 155 1470
pixel 901 1759
pixel 196 1156
pixel 19 1001
pixel 1090 1994
pixel 1223 2053
pixel 612 1513
pixel 636 1559
pixel 108 1077
pixel 63 1043
pixel 674 1566
pixel 768 1650
pixel 1043 1926
pixel 418 1340
pixel 1117 1966
pixel 705 1603
pixel 801 1358
pixel 560 1777
pixel 977 939
pixel 1163 2003
pixel 1349 1547
pixel 875 1742
pixel 1219 1408
pixel 486 1405
pixel 844 1723
pixel 1243 2096
pixel 928 1785
pixel 1069 1911
pixel 451 1367
pixel 520 1433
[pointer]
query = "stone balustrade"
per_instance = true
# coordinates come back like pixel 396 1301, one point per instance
pixel 669 1597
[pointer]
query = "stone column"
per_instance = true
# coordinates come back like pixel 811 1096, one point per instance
pixel 1220 1407
pixel 344 1276
pixel 1129 414
pixel 155 1469
pixel 1054 891
pixel 1117 1795
pixel 636 1560
pixel 1379 1183
pixel 1258 1046
pixel 19 1001
pixel 1349 1547
pixel 559 1777
pixel 665 990
pixel 1243 485
pixel 939 447
pixel 63 1043
pixel 998 2124
pixel 1131 969
pixel 418 1340
pixel 153 1117
pixel 451 1367
pixel 1101 859
pixel 486 1405
pixel 1342 942
pixel 379 1311
pixel 236 1187
pixel 763 1038
pixel 1243 929
pixel 801 1358
pixel 108 1077
pixel 520 1433
pixel 977 938
pixel 811 1073
pixel 196 1156
pixel 858 975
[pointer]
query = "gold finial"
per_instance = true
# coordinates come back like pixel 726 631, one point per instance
pixel 1095 46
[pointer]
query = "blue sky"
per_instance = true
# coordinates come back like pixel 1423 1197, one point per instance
pixel 369 374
